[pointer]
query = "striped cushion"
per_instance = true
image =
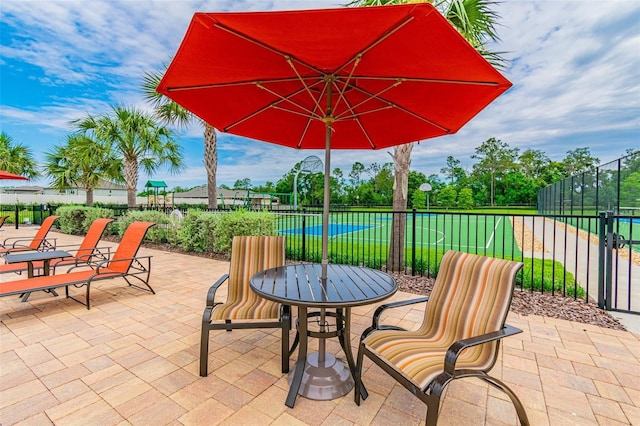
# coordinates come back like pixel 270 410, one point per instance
pixel 471 296
pixel 250 255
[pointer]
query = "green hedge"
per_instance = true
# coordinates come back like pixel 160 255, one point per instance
pixel 76 220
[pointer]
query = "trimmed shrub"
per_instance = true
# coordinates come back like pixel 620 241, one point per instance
pixel 161 233
pixel 242 222
pixel 76 220
pixel 197 231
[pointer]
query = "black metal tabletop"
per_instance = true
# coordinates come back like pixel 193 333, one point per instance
pixel 34 256
pixel 302 285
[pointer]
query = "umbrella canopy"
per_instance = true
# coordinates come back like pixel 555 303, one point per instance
pixel 11 176
pixel 364 78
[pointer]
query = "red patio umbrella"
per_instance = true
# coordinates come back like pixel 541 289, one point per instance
pixel 365 78
pixel 11 176
pixel 349 78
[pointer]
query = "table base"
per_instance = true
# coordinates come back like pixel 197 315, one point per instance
pixel 323 383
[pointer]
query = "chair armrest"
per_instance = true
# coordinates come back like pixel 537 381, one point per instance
pixel 375 323
pixel 211 294
pixel 456 348
pixel 43 241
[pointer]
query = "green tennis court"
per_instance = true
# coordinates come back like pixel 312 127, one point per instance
pixel 485 234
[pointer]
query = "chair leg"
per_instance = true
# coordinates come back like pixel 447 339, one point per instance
pixel 357 376
pixel 433 408
pixel 204 342
pixel 285 319
pixel 522 415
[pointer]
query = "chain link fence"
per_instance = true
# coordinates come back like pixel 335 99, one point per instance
pixel 612 187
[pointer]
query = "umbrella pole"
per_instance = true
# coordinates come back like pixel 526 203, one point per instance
pixel 325 232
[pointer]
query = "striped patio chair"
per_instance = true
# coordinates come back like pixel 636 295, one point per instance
pixel 464 321
pixel 39 241
pixel 243 307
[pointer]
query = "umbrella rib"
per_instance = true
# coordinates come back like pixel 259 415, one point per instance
pixel 273 105
pixel 364 131
pixel 431 80
pixel 304 85
pixel 287 99
pixel 394 105
pixel 236 83
pixel 304 133
pixel 371 96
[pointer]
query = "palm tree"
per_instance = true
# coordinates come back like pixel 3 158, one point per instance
pixel 81 162
pixel 172 113
pixel 137 140
pixel 476 22
pixel 16 158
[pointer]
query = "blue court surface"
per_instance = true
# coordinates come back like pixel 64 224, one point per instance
pixel 334 229
pixel 629 220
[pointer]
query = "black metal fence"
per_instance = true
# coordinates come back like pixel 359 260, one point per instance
pixel 562 254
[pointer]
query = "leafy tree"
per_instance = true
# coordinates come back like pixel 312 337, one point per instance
pixel 242 184
pixel 447 197
pixel 418 199
pixel 533 163
pixel 578 161
pixel 465 198
pixel 16 158
pixel 81 162
pixel 451 169
pixel 355 175
pixel 172 113
pixel 136 139
pixel 495 158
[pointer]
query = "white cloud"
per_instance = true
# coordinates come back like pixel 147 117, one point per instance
pixel 575 68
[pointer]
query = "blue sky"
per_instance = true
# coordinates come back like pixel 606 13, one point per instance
pixel 575 66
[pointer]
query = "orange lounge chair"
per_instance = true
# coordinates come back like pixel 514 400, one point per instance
pixel 2 220
pixel 39 241
pixel 86 252
pixel 125 263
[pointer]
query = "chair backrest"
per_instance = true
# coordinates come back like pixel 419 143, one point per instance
pixel 90 241
pixel 250 255
pixel 44 229
pixel 129 245
pixel 471 296
pixel 2 220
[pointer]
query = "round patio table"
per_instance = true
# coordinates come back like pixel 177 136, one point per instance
pixel 320 375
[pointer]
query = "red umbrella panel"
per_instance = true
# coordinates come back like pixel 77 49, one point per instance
pixel 405 75
pixel 11 176
pixel 365 78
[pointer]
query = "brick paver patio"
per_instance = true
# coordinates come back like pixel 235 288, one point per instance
pixel 133 359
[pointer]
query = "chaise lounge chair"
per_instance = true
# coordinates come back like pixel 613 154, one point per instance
pixel 3 220
pixel 125 264
pixel 463 323
pixel 243 307
pixel 87 252
pixel 39 241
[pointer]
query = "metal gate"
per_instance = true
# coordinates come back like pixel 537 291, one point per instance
pixel 619 263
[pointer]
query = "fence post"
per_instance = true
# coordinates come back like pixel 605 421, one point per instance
pixel 609 262
pixel 413 244
pixel 304 234
pixel 17 216
pixel 602 235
